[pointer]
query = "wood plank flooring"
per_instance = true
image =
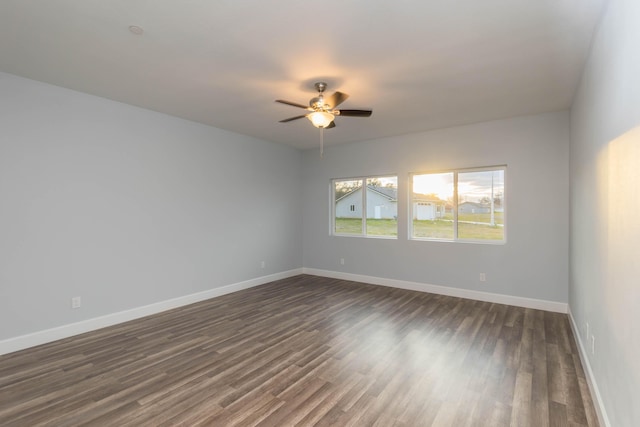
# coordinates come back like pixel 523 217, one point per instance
pixel 308 351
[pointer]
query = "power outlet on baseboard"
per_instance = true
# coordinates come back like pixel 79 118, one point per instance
pixel 341 261
pixel 483 277
pixel 263 264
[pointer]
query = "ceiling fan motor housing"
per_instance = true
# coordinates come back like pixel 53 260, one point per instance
pixel 318 103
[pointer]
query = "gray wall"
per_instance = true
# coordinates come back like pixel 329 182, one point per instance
pixel 534 261
pixel 126 207
pixel 605 201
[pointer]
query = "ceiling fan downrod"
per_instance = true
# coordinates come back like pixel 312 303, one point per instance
pixel 317 103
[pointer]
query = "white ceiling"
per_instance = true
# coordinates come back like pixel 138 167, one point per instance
pixel 419 65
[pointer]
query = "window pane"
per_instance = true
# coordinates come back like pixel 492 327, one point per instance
pixel 382 206
pixel 431 206
pixel 481 205
pixel 348 206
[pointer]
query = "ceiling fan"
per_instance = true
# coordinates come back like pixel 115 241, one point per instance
pixel 322 111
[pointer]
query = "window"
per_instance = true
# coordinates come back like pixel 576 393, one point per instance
pixel 463 205
pixel 371 213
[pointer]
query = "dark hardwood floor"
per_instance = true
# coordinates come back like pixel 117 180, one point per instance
pixel 308 351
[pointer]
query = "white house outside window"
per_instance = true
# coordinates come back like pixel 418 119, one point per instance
pixel 370 213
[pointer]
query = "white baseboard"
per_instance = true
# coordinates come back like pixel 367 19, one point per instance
pixel 42 337
pixel 591 380
pixel 557 307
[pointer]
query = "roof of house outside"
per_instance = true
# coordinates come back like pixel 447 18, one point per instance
pixel 388 192
pixel 391 193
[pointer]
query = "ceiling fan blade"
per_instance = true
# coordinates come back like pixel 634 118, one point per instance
pixel 336 99
pixel 292 118
pixel 331 125
pixel 293 104
pixel 355 113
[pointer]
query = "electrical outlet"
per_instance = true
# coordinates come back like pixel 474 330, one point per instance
pixel 341 261
pixel 263 264
pixel 76 302
pixel 587 330
pixel 593 344
pixel 483 277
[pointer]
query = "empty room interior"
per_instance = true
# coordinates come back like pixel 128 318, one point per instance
pixel 411 213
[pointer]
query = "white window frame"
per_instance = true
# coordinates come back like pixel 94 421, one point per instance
pixel 363 231
pixel 457 239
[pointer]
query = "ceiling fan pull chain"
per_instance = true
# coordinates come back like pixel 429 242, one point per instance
pixel 321 141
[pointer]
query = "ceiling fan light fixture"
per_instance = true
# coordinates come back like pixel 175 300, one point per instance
pixel 321 119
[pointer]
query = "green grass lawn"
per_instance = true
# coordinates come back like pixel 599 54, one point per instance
pixel 433 229
pixel 443 229
pixel 382 227
pixel 348 226
pixel 439 229
pixel 498 216
pixel 375 227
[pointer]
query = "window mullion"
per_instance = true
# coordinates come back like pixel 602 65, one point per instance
pixel 364 207
pixel 455 206
pixel 333 207
pixel 410 213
